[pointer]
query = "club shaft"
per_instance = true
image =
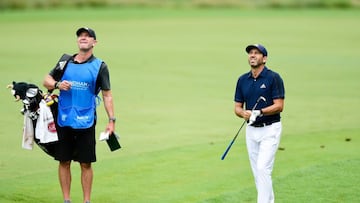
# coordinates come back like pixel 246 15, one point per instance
pixel 232 142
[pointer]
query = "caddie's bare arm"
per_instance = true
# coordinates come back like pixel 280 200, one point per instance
pixel 239 111
pixel 51 84
pixel 109 107
pixel 277 107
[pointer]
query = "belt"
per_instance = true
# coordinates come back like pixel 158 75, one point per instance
pixel 259 125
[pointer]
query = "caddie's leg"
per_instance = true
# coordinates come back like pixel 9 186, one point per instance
pixel 86 180
pixel 65 178
pixel 268 147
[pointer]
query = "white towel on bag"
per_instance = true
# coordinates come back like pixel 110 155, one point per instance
pixel 28 133
pixel 45 129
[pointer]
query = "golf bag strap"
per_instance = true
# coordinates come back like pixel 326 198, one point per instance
pixel 60 67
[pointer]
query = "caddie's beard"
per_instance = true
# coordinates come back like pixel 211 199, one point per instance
pixel 86 49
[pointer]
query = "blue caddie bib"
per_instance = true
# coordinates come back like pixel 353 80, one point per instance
pixel 77 106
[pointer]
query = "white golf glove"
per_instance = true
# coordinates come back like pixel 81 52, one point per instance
pixel 254 115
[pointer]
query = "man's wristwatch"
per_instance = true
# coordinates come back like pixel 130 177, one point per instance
pixel 56 85
pixel 112 119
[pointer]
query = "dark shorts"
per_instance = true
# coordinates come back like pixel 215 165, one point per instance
pixel 76 144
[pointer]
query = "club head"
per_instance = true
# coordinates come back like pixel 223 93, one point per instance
pixel 261 98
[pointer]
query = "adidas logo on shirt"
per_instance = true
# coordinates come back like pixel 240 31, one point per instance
pixel 263 86
pixel 62 64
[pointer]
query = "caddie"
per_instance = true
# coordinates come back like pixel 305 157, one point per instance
pixel 83 77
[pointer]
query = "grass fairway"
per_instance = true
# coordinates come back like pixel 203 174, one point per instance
pixel 173 76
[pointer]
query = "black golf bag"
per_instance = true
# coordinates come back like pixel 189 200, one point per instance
pixel 31 96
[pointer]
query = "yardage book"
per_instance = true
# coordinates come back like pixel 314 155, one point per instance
pixel 111 140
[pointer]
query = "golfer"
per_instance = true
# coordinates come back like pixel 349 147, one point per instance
pixel 264 127
pixel 84 77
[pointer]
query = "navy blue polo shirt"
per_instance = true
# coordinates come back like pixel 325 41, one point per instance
pixel 268 84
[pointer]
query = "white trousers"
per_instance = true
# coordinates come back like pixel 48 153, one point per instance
pixel 262 144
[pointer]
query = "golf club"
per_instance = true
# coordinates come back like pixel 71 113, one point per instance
pixel 233 140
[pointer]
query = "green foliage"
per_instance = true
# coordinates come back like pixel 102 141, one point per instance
pixel 173 74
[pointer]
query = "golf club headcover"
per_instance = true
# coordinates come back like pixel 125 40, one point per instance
pixel 18 90
pixel 30 95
